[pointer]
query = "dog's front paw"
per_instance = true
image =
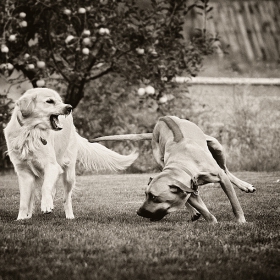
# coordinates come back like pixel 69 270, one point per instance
pixel 46 210
pixel 69 213
pixel 70 217
pixel 23 217
pixel 47 206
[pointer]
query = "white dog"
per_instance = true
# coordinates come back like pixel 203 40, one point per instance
pixel 43 143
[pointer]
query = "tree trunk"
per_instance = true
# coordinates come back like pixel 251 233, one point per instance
pixel 74 94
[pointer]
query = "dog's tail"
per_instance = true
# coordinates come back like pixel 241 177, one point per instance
pixel 173 126
pixel 94 156
pixel 122 137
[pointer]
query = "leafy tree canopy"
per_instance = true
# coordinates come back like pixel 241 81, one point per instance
pixel 87 39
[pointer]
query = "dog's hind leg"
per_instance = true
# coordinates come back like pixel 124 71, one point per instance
pixel 230 192
pixel 52 172
pixel 27 189
pixel 196 202
pixel 218 154
pixel 69 182
pixel 242 185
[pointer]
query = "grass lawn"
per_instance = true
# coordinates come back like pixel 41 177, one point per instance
pixel 107 240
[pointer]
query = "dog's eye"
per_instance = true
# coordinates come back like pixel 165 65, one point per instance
pixel 154 198
pixel 50 101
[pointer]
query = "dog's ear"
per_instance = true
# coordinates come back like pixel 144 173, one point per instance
pixel 178 187
pixel 175 189
pixel 26 105
pixel 205 178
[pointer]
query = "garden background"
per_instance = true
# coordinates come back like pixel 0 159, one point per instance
pixel 243 118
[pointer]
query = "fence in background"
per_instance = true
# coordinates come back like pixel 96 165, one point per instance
pixel 250 28
pixel 229 81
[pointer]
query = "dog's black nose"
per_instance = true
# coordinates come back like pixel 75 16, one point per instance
pixel 144 213
pixel 155 216
pixel 68 108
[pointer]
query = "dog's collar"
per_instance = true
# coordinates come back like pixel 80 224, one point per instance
pixel 44 141
pixel 186 189
pixel 187 171
pixel 194 187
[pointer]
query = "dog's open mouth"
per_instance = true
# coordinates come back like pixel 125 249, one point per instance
pixel 56 125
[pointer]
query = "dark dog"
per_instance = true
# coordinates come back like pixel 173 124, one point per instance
pixel 189 158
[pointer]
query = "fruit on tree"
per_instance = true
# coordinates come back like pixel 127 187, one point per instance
pixel 86 41
pixel 86 32
pixel 149 90
pixel 69 38
pixel 163 99
pixel 67 12
pixel 23 23
pixel 40 83
pixel 4 49
pixel 41 64
pixel 12 38
pixel 22 15
pixel 140 51
pixel 30 66
pixel 82 11
pixel 141 91
pixel 5 66
pixel 102 31
pixel 85 51
pixel 10 66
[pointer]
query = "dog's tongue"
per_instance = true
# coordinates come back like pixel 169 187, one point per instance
pixel 55 123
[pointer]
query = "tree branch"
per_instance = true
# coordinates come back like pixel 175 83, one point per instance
pixel 53 56
pixel 100 74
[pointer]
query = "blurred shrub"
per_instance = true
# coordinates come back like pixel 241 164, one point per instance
pixel 249 131
pixel 252 133
pixel 118 109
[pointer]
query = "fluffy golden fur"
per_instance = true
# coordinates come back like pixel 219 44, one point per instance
pixel 43 144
